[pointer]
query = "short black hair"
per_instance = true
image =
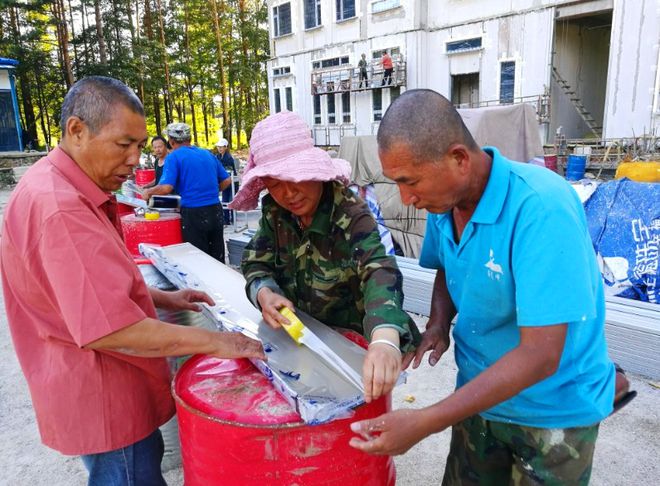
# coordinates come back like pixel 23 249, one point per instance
pixel 426 122
pixel 162 139
pixel 92 99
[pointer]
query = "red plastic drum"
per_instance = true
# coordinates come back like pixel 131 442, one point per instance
pixel 235 429
pixel 144 176
pixel 164 231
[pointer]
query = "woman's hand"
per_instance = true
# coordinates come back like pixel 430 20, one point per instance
pixel 382 365
pixel 270 303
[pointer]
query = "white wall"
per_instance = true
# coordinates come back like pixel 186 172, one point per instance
pixel 4 80
pixel 421 29
pixel 632 69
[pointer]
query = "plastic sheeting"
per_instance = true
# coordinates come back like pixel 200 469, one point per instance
pixel 624 223
pixel 317 392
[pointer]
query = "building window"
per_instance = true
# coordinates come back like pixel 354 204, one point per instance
pixel 281 71
pixel 345 9
pixel 332 62
pixel 332 115
pixel 383 5
pixel 507 81
pixel 317 109
pixel 282 20
pixel 464 45
pixel 288 92
pixel 346 107
pixel 465 90
pixel 377 104
pixel 278 103
pixel 395 52
pixel 312 13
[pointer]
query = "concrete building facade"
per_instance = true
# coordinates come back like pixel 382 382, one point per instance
pixel 590 67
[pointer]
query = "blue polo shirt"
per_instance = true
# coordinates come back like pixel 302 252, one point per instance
pixel 195 174
pixel 525 259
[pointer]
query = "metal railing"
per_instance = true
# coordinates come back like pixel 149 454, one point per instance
pixel 540 102
pixel 347 79
pixel 331 135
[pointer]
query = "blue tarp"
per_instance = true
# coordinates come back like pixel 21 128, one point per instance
pixel 624 222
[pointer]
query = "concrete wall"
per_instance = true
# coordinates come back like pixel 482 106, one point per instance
pixel 525 39
pixel 633 67
pixel 581 57
pixel 4 80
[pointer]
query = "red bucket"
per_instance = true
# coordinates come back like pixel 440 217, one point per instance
pixel 163 231
pixel 144 176
pixel 550 162
pixel 236 429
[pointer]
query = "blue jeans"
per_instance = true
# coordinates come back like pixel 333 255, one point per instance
pixel 135 465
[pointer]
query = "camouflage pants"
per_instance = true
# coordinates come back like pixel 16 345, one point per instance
pixel 487 453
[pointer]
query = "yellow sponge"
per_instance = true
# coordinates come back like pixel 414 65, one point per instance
pixel 295 328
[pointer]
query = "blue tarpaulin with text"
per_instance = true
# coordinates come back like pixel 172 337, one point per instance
pixel 624 223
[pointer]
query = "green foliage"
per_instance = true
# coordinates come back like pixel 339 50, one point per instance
pixel 131 40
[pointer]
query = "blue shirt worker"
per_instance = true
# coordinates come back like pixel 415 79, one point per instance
pixel 514 259
pixel 197 176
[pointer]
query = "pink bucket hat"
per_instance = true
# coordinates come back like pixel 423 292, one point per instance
pixel 281 147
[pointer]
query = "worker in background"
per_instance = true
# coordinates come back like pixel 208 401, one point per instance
pixel 388 68
pixel 229 164
pixel 160 148
pixel 82 320
pixel 515 261
pixel 197 176
pixel 318 248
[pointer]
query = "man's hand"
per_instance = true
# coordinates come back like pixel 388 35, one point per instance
pixel 271 302
pixel 181 299
pixel 392 433
pixel 233 345
pixel 434 339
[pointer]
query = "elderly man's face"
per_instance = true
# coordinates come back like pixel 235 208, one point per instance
pixel 436 186
pixel 109 156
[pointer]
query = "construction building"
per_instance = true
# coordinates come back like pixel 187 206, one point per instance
pixel 589 67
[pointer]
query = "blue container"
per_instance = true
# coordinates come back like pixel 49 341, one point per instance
pixel 575 167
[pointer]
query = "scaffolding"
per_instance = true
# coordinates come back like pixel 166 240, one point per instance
pixel 348 79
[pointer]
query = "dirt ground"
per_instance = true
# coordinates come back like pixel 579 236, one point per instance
pixel 627 452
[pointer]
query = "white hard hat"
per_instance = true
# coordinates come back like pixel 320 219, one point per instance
pixel 222 143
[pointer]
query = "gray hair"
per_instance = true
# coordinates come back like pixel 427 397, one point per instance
pixel 426 123
pixel 93 99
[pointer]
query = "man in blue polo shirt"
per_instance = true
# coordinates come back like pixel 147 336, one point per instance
pixel 514 259
pixel 198 178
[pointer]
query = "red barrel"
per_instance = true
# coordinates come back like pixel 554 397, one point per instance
pixel 144 176
pixel 123 209
pixel 164 231
pixel 236 429
pixel 550 162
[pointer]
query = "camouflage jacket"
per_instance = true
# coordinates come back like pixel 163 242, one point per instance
pixel 336 270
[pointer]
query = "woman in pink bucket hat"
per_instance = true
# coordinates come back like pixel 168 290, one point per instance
pixel 318 248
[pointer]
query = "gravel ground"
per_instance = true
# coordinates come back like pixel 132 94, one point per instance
pixel 627 452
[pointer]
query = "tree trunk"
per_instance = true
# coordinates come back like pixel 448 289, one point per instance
pixel 204 114
pixel 76 61
pixel 103 54
pixel 59 15
pixel 24 81
pixel 189 86
pixel 221 68
pixel 168 88
pixel 85 25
